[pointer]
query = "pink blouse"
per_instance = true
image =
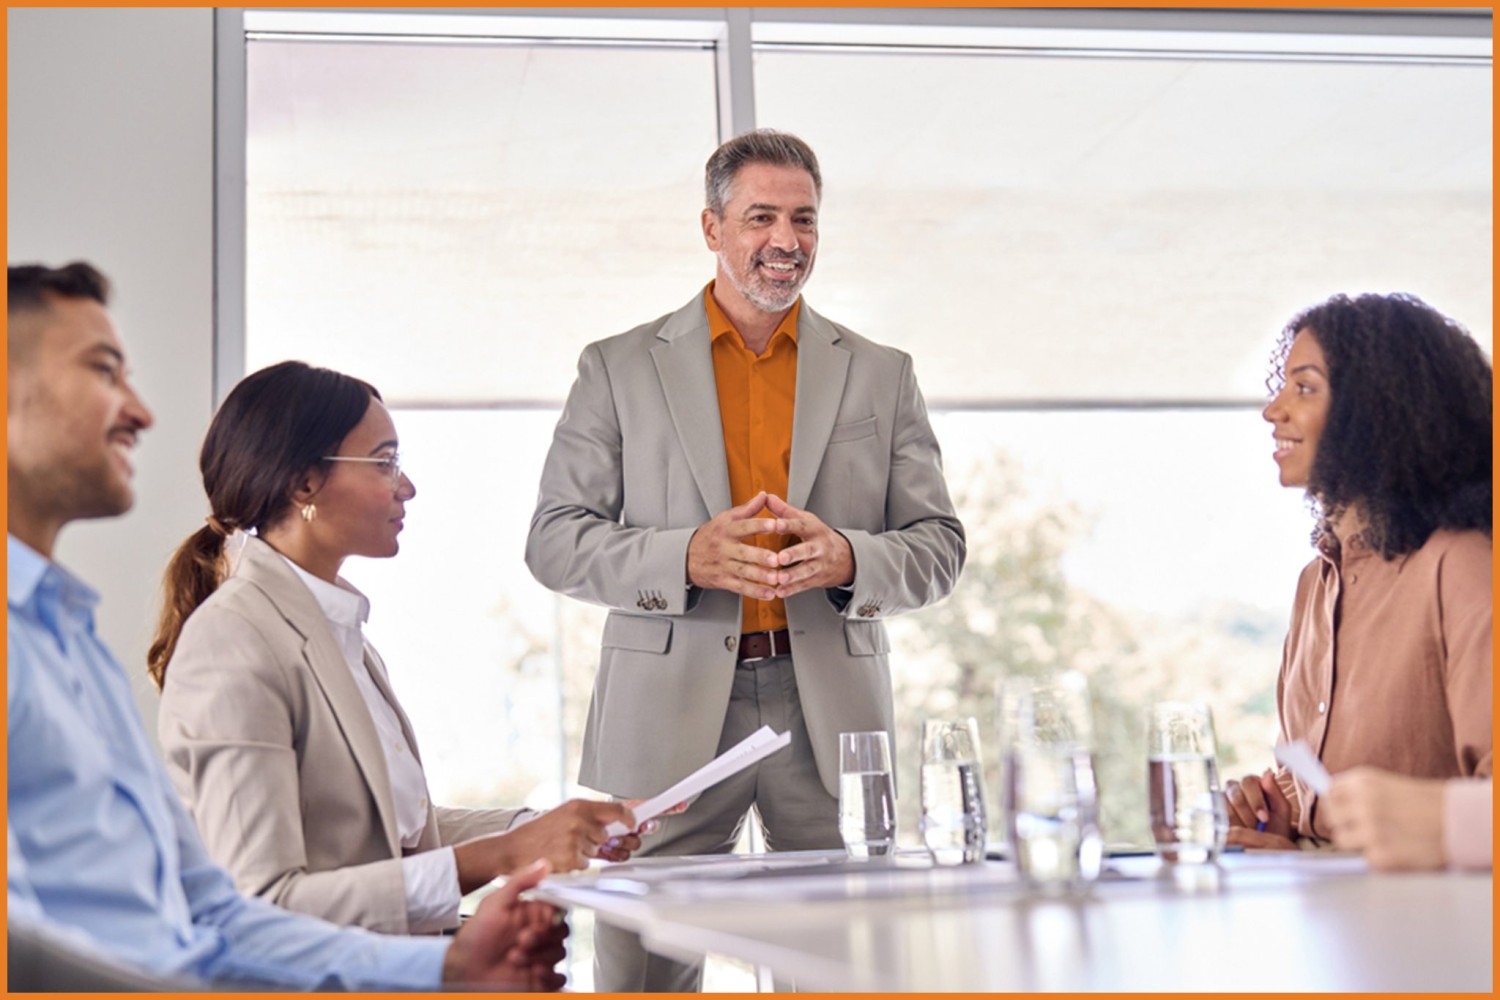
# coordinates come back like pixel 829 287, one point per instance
pixel 1390 664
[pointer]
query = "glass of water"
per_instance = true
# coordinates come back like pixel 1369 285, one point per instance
pixel 1189 820
pixel 953 816
pixel 1051 801
pixel 867 799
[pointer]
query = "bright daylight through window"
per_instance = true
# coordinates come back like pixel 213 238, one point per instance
pixel 1088 251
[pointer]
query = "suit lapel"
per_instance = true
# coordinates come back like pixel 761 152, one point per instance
pixel 376 666
pixel 264 567
pixel 822 367
pixel 685 366
pixel 431 836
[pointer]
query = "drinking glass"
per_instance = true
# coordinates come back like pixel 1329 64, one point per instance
pixel 953 815
pixel 1189 820
pixel 1051 801
pixel 867 800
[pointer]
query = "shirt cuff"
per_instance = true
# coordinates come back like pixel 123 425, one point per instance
pixel 522 817
pixel 431 890
pixel 1469 823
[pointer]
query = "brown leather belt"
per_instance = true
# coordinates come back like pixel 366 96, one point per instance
pixel 757 646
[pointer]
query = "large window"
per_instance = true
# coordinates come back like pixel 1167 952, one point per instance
pixel 1089 252
pixel 453 220
pixel 1087 236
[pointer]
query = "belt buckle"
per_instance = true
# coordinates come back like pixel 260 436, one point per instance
pixel 769 639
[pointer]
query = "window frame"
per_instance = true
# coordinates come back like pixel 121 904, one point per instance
pixel 1404 35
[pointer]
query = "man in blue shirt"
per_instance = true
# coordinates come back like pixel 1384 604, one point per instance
pixel 100 851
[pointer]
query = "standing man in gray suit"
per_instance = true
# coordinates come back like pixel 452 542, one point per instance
pixel 750 489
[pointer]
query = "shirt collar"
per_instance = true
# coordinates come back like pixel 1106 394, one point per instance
pixel 24 569
pixel 341 603
pixel 33 579
pixel 1337 552
pixel 720 325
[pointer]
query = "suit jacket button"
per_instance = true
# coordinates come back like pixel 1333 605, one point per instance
pixel 661 604
pixel 729 643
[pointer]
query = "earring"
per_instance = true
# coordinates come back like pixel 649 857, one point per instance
pixel 309 512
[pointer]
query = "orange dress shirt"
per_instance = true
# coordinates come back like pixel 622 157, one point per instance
pixel 757 394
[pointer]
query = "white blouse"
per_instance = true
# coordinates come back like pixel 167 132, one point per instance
pixel 431 877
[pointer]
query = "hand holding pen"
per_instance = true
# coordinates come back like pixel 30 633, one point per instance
pixel 1260 815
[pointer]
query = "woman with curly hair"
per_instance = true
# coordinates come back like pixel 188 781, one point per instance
pixel 1381 410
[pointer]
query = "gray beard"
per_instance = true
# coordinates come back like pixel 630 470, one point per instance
pixel 755 296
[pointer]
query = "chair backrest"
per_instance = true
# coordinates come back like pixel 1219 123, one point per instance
pixel 39 961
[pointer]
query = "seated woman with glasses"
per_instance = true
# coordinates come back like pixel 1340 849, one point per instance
pixel 1381 411
pixel 278 721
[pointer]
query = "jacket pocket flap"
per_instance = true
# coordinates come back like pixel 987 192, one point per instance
pixel 852 431
pixel 637 632
pixel 866 638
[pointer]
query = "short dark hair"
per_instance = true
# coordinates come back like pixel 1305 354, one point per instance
pixel 763 145
pixel 1410 426
pixel 28 285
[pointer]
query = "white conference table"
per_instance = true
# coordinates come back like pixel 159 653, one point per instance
pixel 1257 922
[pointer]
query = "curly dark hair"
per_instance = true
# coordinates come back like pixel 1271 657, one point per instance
pixel 1410 425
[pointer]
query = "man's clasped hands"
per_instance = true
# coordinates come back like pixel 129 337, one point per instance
pixel 720 558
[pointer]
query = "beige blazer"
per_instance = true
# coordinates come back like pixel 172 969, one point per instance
pixel 272 748
pixel 637 464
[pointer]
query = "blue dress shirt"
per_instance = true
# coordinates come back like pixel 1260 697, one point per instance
pixel 99 844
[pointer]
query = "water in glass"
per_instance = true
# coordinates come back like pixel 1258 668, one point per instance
pixel 953 814
pixel 867 813
pixel 1052 808
pixel 1189 821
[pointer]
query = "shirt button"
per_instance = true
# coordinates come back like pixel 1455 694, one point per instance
pixel 1322 707
pixel 423 804
pixel 729 643
pixel 399 747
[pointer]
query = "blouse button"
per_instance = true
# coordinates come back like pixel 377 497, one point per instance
pixel 1322 707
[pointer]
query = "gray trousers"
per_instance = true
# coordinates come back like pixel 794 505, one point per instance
pixel 795 810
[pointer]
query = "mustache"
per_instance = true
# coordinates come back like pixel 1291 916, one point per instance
pixel 780 257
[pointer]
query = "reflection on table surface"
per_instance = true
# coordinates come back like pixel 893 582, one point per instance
pixel 1317 921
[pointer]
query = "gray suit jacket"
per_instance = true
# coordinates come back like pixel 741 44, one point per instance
pixel 637 464
pixel 272 748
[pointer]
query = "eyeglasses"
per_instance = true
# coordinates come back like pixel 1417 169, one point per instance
pixel 389 464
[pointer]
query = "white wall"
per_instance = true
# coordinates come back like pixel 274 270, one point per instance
pixel 111 160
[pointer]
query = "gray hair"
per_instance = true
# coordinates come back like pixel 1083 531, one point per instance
pixel 764 145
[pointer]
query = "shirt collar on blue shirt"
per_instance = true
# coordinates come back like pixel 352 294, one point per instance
pixel 50 593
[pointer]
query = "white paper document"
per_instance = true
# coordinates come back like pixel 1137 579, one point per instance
pixel 1298 758
pixel 757 746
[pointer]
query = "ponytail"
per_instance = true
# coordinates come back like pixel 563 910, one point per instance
pixel 273 427
pixel 196 570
